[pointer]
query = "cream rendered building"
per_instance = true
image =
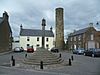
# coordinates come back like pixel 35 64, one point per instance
pixel 33 37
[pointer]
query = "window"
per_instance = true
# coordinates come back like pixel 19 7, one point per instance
pixel 79 37
pixel 28 45
pixel 74 46
pixel 37 45
pixel 47 39
pixel 71 38
pixel 28 39
pixel 91 36
pixel 47 45
pixel 74 38
pixel 71 46
pixel 37 38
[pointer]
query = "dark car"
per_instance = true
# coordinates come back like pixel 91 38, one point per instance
pixel 30 49
pixel 18 49
pixel 56 50
pixel 78 51
pixel 92 52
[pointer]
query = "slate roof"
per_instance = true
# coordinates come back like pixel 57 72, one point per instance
pixel 34 32
pixel 79 31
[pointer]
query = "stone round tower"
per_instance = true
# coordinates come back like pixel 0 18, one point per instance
pixel 59 28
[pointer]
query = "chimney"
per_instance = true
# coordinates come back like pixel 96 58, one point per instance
pixel 5 15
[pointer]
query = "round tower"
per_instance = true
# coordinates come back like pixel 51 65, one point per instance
pixel 59 28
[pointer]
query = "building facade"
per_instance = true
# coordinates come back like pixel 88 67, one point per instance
pixel 5 33
pixel 34 37
pixel 84 38
pixel 59 40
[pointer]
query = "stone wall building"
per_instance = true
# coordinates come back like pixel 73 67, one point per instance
pixel 84 38
pixel 5 33
pixel 59 40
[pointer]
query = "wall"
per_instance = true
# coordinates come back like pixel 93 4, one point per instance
pixel 33 41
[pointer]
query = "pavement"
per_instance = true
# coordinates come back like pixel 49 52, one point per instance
pixel 81 65
pixel 16 71
pixel 2 53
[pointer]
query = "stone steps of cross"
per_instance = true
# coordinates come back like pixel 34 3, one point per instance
pixel 44 55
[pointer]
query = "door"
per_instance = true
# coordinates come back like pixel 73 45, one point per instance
pixel 91 44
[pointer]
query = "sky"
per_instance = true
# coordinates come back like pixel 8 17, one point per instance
pixel 77 14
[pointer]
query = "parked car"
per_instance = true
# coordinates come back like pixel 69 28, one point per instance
pixel 92 52
pixel 55 50
pixel 78 51
pixel 30 49
pixel 18 49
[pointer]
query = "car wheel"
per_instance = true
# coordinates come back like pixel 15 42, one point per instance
pixel 92 55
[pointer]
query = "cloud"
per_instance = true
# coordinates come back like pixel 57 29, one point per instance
pixel 77 13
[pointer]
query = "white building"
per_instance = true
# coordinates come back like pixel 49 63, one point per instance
pixel 33 37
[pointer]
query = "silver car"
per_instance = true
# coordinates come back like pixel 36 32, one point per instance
pixel 78 51
pixel 18 49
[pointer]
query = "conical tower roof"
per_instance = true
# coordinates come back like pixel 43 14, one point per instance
pixel 44 55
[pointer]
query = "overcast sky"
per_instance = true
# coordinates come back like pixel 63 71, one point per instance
pixel 77 13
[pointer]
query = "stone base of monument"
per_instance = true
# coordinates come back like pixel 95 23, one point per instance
pixel 45 67
pixel 32 61
pixel 42 54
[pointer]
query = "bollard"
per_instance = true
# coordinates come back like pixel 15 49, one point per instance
pixel 13 62
pixel 60 55
pixel 72 58
pixel 70 62
pixel 41 65
pixel 25 55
